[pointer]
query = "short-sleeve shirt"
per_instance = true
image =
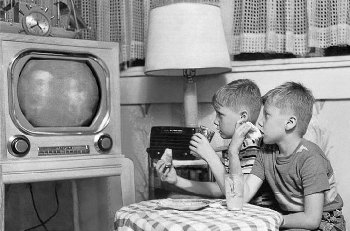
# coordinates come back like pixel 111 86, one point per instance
pixel 306 171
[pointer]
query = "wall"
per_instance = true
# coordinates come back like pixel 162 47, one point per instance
pixel 153 101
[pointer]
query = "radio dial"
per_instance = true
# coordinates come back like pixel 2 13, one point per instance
pixel 104 143
pixel 20 146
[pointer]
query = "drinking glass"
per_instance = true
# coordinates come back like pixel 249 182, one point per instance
pixel 207 132
pixel 234 189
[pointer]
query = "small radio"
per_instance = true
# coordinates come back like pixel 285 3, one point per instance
pixel 175 138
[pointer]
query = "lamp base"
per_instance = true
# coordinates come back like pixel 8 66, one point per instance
pixel 190 103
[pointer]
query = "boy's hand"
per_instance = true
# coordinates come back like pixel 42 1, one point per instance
pixel 165 173
pixel 241 130
pixel 199 146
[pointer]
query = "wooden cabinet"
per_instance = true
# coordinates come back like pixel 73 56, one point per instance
pixel 96 193
pixel 60 145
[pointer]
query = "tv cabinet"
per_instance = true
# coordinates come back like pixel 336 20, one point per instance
pixel 88 156
pixel 75 169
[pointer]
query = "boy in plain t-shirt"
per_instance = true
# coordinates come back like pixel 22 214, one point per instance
pixel 298 172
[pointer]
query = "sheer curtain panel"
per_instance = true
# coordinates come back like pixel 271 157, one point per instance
pixel 251 26
pixel 289 26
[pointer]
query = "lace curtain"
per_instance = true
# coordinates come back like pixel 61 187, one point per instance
pixel 289 26
pixel 251 26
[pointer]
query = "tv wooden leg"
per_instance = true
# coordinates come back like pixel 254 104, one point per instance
pixel 2 202
pixel 128 182
pixel 75 205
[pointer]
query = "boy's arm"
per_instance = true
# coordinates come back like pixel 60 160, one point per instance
pixel 200 145
pixel 314 181
pixel 218 170
pixel 310 218
pixel 251 183
pixel 210 189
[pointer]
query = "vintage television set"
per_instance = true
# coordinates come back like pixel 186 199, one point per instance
pixel 59 105
pixel 60 121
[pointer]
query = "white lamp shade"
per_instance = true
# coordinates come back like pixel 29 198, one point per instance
pixel 186 36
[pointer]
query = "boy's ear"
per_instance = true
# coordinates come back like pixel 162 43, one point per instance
pixel 244 115
pixel 291 123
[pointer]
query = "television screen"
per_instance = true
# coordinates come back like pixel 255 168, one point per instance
pixel 58 93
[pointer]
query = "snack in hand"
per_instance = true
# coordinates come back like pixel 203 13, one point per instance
pixel 167 157
pixel 254 132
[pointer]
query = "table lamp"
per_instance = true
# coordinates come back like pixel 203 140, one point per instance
pixel 187 40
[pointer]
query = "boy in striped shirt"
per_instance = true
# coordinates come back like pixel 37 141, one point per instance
pixel 239 100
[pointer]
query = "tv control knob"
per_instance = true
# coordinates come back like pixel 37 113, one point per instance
pixel 20 146
pixel 104 143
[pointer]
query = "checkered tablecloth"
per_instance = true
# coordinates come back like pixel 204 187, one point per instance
pixel 146 216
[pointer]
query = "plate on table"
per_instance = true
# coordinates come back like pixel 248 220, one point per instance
pixel 182 204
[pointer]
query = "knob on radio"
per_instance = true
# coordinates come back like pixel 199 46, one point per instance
pixel 19 146
pixel 104 143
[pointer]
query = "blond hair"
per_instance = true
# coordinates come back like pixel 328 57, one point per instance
pixel 295 97
pixel 237 95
